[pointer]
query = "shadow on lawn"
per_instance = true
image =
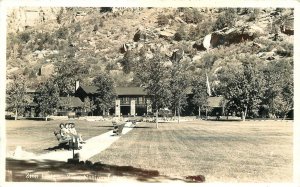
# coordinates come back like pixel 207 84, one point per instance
pixel 142 127
pixel 58 147
pixel 58 171
pixel 105 126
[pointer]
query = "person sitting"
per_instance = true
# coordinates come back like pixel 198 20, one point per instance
pixel 75 134
pixel 64 133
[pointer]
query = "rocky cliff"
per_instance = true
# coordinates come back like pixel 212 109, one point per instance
pixel 101 38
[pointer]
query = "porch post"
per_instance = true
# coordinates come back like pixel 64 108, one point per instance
pixel 149 106
pixel 117 107
pixel 132 107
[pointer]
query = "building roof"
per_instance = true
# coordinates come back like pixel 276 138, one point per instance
pixel 119 90
pixel 215 101
pixel 90 89
pixel 130 91
pixel 70 101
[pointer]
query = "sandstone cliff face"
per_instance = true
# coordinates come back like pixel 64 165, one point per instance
pixel 102 38
pixel 21 18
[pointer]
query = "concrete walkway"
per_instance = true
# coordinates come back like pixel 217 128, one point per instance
pixel 92 147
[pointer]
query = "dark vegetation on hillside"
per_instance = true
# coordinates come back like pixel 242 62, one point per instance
pixel 118 42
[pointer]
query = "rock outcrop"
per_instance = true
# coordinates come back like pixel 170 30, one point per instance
pixel 225 37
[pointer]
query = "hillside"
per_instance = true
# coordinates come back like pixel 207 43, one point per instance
pixel 100 39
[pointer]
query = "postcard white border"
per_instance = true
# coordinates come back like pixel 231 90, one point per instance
pixel 5 4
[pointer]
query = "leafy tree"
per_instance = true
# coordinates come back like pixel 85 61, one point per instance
pixel 128 62
pixel 16 98
pixel 178 84
pixel 105 93
pixel 46 97
pixel 243 85
pixel 66 73
pixel 88 105
pixel 279 87
pixel 156 82
pixel 287 100
pixel 199 90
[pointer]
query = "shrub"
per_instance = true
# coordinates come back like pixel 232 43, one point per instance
pixel 62 33
pixel 181 34
pixel 77 27
pixel 192 15
pixel 24 37
pixel 96 28
pixel 162 20
pixel 226 19
pixel 106 9
pixel 253 15
pixel 200 30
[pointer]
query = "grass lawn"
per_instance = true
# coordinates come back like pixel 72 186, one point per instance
pixel 37 136
pixel 251 151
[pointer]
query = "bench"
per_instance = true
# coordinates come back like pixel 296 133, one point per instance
pixel 118 128
pixel 68 142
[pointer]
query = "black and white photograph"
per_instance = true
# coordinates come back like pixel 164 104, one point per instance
pixel 149 94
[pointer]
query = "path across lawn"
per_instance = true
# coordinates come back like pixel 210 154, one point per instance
pixel 92 147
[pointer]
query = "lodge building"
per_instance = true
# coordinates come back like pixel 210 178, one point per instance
pixel 130 101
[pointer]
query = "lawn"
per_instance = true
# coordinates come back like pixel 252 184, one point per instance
pixel 37 136
pixel 251 151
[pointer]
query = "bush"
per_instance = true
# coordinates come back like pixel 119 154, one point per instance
pixel 162 20
pixel 201 30
pixel 253 15
pixel 62 33
pixel 181 34
pixel 226 19
pixel 77 27
pixel 24 37
pixel 96 28
pixel 106 9
pixel 192 15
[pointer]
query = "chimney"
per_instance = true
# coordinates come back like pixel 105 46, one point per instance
pixel 76 85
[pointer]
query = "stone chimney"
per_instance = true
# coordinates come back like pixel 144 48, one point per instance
pixel 76 85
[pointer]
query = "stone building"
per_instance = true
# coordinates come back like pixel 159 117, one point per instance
pixel 130 101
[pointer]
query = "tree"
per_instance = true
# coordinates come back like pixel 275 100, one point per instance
pixel 88 105
pixel 66 74
pixel 16 98
pixel 286 102
pixel 156 81
pixel 279 87
pixel 46 97
pixel 105 92
pixel 199 91
pixel 178 84
pixel 243 85
pixel 128 62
